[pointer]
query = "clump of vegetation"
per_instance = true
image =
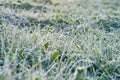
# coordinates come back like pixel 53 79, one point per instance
pixel 110 24
pixel 43 1
pixel 61 21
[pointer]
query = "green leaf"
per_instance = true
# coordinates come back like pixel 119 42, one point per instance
pixel 50 28
pixel 11 55
pixel 46 45
pixel 59 18
pixel 19 1
pixel 79 75
pixel 80 71
pixel 37 78
pixel 99 34
pixel 90 31
pixel 21 53
pixel 110 11
pixel 55 55
pixel 57 4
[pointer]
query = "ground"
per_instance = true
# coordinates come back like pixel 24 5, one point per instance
pixel 59 40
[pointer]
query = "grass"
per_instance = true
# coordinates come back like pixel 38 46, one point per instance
pixel 60 40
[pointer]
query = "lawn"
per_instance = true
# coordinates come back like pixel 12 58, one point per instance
pixel 59 40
